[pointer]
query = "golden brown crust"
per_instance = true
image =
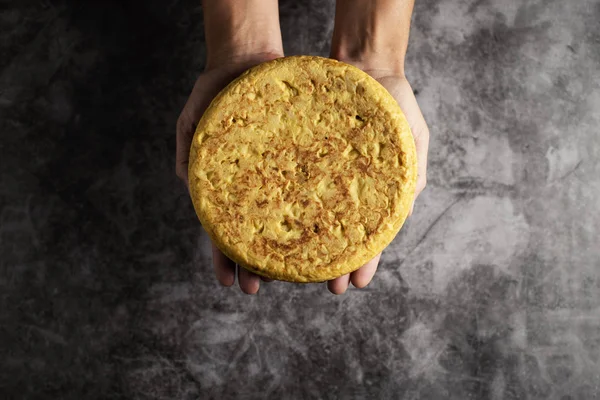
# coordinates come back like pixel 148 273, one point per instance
pixel 303 169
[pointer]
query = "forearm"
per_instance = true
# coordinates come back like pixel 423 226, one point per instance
pixel 372 33
pixel 238 31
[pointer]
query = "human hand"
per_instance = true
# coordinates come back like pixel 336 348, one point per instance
pixel 239 35
pixel 373 36
pixel 207 86
pixel 400 89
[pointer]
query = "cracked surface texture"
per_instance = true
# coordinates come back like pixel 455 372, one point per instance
pixel 303 169
pixel 490 291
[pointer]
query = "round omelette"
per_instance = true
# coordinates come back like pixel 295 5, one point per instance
pixel 302 169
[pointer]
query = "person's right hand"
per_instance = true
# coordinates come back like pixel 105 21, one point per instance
pixel 207 86
pixel 239 34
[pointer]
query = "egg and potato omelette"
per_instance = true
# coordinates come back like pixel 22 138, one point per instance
pixel 302 169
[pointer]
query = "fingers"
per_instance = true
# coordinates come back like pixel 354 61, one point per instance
pixel 185 134
pixel 339 285
pixel 186 127
pixel 224 267
pixel 249 282
pixel 422 144
pixel 204 90
pixel 225 272
pixel 408 103
pixel 363 276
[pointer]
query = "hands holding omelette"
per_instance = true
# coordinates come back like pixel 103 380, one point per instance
pixel 302 168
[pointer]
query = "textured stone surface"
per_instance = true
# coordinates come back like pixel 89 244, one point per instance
pixel 491 291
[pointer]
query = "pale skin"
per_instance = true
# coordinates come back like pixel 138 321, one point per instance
pixel 370 34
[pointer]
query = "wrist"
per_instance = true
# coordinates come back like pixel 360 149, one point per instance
pixel 241 32
pixel 373 64
pixel 372 34
pixel 239 61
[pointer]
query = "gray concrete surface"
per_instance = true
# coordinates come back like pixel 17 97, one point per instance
pixel 491 291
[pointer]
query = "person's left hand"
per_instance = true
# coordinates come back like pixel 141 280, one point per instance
pixel 401 90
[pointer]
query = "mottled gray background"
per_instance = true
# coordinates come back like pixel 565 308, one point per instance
pixel 491 291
